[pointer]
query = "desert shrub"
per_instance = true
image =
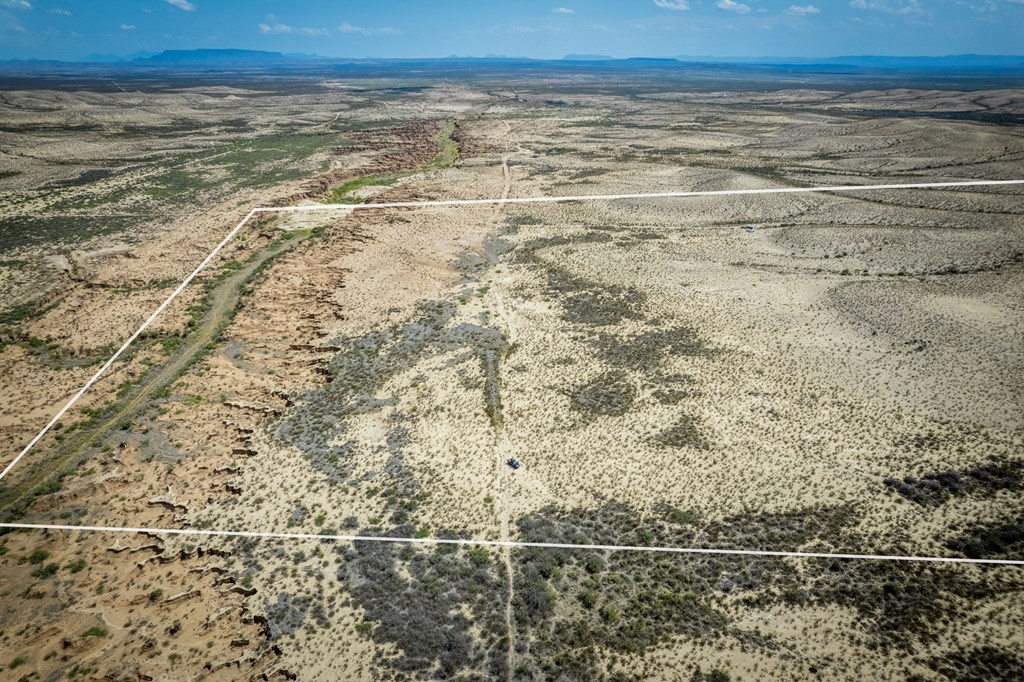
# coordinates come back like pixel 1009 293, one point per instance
pixel 648 349
pixel 682 433
pixel 681 516
pixel 926 491
pixel 935 488
pixel 979 664
pixel 512 221
pixel 317 424
pixel 478 555
pixel 610 394
pixel 623 601
pixel 589 598
pixel 415 599
pixel 672 396
pixel 643 599
pixel 526 252
pixel 47 571
pixel 983 540
pixel 587 302
pixel 903 602
pixel 288 613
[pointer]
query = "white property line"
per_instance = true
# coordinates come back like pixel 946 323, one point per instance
pixel 648 195
pixel 507 543
pixel 471 202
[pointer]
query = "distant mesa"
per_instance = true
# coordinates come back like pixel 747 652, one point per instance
pixel 214 56
pixel 101 58
pixel 628 61
pixel 652 60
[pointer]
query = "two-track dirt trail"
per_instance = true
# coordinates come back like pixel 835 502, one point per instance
pixel 222 304
pixel 503 447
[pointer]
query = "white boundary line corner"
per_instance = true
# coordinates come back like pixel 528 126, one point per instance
pixel 487 543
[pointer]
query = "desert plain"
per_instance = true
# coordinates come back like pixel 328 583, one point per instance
pixel 816 372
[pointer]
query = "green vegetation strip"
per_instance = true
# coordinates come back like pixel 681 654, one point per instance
pixel 217 312
pixel 447 153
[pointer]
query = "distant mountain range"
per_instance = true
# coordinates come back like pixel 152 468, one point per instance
pixel 199 57
pixel 99 58
pixel 878 62
pixel 215 57
pixel 222 56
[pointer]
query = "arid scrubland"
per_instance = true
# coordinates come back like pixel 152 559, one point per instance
pixel 843 376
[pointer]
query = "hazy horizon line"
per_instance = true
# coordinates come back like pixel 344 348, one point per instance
pixel 142 55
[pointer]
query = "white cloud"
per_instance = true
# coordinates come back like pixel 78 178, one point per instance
pixel 680 5
pixel 349 28
pixel 59 11
pixel 127 27
pixel 362 30
pixel 984 6
pixel 182 5
pixel 889 6
pixel 16 4
pixel 732 6
pixel 803 10
pixel 277 27
pixel 563 10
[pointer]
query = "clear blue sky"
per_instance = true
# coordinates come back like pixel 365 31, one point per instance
pixel 68 29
